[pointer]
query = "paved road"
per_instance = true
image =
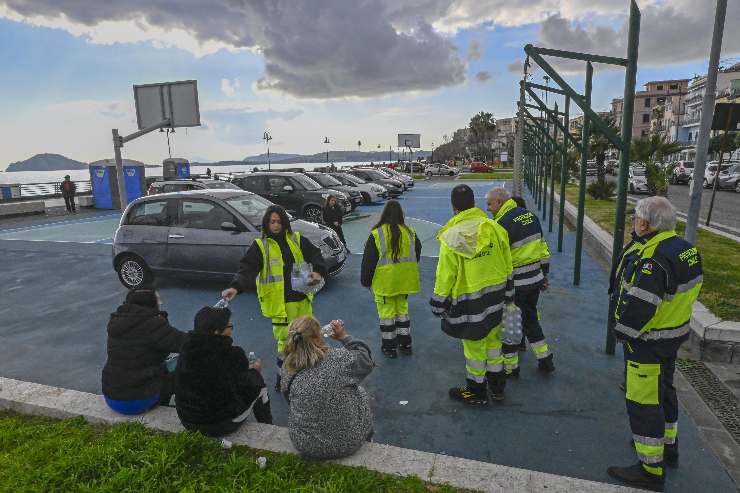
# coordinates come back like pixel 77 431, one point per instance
pixel 726 212
pixel 56 298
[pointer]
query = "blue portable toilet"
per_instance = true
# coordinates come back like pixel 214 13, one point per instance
pixel 175 167
pixel 104 182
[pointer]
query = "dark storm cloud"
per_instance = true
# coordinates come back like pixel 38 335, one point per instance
pixel 312 49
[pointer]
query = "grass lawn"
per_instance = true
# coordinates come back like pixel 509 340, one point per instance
pixel 42 454
pixel 721 289
pixel 500 175
pixel 419 176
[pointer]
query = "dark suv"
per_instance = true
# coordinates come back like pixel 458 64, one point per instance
pixel 296 192
pixel 328 181
pixel 394 187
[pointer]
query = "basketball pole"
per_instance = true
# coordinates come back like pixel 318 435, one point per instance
pixel 118 142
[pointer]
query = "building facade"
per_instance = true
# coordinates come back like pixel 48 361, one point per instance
pixel 650 106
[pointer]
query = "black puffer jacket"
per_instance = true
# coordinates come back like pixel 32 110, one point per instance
pixel 213 381
pixel 139 340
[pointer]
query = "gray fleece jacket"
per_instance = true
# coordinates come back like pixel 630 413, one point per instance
pixel 330 415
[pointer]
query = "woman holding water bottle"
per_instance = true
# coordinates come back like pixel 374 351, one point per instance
pixel 329 412
pixel 268 265
pixel 390 267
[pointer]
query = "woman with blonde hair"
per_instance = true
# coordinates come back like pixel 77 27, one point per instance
pixel 329 412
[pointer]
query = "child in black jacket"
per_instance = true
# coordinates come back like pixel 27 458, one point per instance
pixel 215 387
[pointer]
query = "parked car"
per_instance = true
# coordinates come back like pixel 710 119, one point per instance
pixel 730 178
pixel 370 191
pixel 298 193
pixel 328 181
pixel 405 179
pixel 394 187
pixel 439 169
pixel 612 167
pixel 201 234
pixel 683 172
pixel 408 167
pixel 637 180
pixel 184 184
pixel 711 171
pixel 479 167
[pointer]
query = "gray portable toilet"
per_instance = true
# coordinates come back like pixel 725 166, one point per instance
pixel 104 182
pixel 175 167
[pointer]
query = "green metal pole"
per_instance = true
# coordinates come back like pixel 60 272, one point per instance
pixel 552 172
pixel 628 109
pixel 582 183
pixel 541 168
pixel 563 177
pixel 545 166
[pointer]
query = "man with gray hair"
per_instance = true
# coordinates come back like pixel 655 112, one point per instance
pixel 655 286
pixel 530 258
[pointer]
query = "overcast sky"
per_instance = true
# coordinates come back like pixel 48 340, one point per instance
pixel 309 69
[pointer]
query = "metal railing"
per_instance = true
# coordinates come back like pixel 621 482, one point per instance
pixel 47 190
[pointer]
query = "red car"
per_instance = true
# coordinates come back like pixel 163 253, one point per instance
pixel 478 167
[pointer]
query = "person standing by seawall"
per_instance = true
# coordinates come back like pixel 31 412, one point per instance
pixel 69 189
pixel 656 284
pixel 531 260
pixel 268 263
pixel 135 377
pixel 474 281
pixel 332 215
pixel 329 412
pixel 390 266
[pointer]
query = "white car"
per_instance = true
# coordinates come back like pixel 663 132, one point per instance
pixel 637 180
pixel 440 170
pixel 371 192
pixel 711 171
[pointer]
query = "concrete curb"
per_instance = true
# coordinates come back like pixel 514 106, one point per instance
pixel 55 402
pixel 716 340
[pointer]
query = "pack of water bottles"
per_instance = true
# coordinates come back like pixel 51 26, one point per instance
pixel 301 281
pixel 511 331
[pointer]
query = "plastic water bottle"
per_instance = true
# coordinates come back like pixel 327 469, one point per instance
pixel 222 303
pixel 327 330
pixel 252 358
pixel 511 332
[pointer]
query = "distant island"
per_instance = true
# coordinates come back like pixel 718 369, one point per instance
pixel 47 162
pixel 57 162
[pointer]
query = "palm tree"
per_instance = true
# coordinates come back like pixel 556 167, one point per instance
pixel 482 130
pixel 652 153
pixel 599 146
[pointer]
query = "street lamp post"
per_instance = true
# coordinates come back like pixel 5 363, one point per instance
pixel 267 138
pixel 432 156
pixel 327 141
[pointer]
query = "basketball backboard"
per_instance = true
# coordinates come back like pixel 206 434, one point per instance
pixel 409 140
pixel 177 101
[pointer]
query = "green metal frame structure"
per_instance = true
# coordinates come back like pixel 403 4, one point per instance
pixel 538 140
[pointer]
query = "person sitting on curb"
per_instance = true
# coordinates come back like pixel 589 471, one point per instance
pixel 135 377
pixel 215 387
pixel 329 412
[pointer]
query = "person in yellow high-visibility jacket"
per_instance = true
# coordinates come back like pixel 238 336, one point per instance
pixel 267 266
pixel 390 267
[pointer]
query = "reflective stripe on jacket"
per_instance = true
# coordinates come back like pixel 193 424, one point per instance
pixel 474 275
pixel 270 282
pixel 658 281
pixel 529 253
pixel 399 276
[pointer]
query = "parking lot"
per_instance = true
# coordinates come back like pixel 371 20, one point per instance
pixel 57 298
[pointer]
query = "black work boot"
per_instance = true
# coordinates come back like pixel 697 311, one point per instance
pixel 545 365
pixel 473 393
pixel 637 476
pixel 496 385
pixel 670 455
